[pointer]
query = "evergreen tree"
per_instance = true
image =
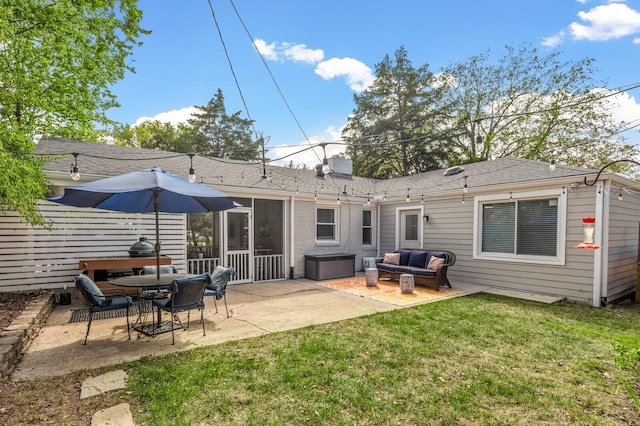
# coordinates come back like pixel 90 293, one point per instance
pixel 221 135
pixel 390 131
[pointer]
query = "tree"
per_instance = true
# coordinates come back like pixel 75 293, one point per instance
pixel 157 135
pixel 57 62
pixel 389 132
pixel 528 105
pixel 221 135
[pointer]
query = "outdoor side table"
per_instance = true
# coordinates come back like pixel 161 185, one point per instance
pixel 407 283
pixel 371 277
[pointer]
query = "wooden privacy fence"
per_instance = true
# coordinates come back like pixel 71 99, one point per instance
pixel 34 258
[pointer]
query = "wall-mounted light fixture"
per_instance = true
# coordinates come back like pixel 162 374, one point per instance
pixel 425 218
pixel 75 173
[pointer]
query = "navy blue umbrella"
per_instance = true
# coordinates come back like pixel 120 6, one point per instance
pixel 147 191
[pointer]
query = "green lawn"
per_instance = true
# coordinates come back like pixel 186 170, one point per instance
pixel 480 359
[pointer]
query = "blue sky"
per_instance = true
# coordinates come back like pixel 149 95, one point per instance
pixel 322 52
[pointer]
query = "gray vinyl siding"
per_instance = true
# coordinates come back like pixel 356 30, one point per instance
pixel 622 255
pixel 451 227
pixel 350 223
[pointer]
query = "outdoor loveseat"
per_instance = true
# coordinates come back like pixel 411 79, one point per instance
pixel 428 267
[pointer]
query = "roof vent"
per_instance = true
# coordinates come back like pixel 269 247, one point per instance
pixel 453 170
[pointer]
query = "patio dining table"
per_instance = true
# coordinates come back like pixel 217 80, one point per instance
pixel 150 282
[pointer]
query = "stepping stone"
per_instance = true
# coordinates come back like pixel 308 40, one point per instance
pixel 119 415
pixel 101 384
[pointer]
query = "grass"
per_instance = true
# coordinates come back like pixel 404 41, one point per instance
pixel 477 360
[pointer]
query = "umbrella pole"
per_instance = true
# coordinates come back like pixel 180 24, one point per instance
pixel 157 208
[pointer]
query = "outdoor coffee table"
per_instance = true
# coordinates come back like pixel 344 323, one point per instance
pixel 151 282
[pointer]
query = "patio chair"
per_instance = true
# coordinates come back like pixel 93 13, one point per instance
pixel 218 287
pixel 99 302
pixel 185 294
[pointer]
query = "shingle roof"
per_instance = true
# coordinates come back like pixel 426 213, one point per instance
pixel 108 160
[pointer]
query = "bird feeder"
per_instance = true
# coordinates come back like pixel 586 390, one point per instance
pixel 588 227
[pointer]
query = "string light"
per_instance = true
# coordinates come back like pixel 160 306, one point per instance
pixel 315 197
pixel 465 188
pixel 338 199
pixel 552 165
pixel 75 173
pixel 192 173
pixel 385 197
pixel 368 200
pixel 462 198
pixel 620 195
pixel 408 197
pixel 422 199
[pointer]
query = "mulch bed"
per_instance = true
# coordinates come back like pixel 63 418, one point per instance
pixel 12 305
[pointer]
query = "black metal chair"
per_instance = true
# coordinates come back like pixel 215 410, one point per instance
pixel 99 302
pixel 218 287
pixel 185 294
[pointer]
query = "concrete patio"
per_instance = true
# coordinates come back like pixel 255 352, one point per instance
pixel 255 309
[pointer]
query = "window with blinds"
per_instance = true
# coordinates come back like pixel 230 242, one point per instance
pixel 521 227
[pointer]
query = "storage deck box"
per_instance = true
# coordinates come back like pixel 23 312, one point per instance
pixel 320 267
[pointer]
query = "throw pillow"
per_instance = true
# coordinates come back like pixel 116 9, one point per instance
pixel 93 292
pixel 404 256
pixel 392 258
pixel 418 258
pixel 434 262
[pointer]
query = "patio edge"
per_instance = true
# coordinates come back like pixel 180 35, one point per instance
pixel 15 339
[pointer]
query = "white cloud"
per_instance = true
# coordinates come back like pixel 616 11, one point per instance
pixel 625 109
pixel 358 75
pixel 174 116
pixel 300 53
pixel 554 40
pixel 606 22
pixel 269 51
pixel 277 51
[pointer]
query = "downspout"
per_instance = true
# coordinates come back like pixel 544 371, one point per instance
pixel 598 255
pixel 292 257
pixel 378 219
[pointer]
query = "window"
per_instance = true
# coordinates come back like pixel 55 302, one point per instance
pixel 326 224
pixel 367 228
pixel 527 228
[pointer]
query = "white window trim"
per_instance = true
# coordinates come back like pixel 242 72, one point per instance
pixel 559 259
pixel 336 218
pixel 420 224
pixel 373 228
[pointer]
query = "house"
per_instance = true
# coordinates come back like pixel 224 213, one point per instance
pixel 512 223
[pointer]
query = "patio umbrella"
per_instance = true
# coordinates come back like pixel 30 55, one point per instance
pixel 147 191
